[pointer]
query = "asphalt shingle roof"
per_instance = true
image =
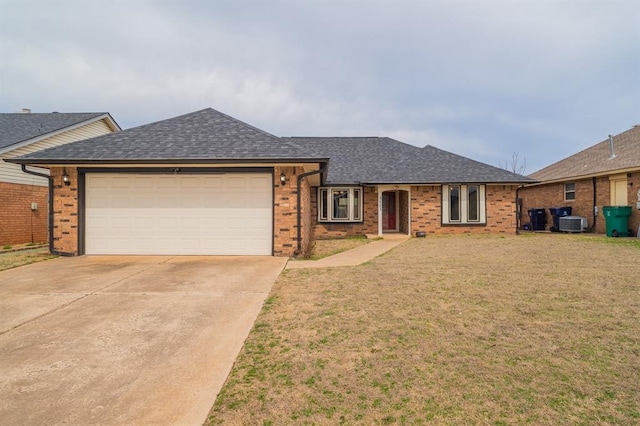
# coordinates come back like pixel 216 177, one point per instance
pixel 385 160
pixel 20 127
pixel 204 135
pixel 597 159
pixel 211 136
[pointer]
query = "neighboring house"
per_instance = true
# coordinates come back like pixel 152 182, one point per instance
pixel 206 183
pixel 606 174
pixel 24 197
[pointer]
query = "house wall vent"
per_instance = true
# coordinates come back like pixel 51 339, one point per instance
pixel 573 224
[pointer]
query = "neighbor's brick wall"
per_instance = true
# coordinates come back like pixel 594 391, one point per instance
pixel 19 224
pixel 339 230
pixel 285 212
pixel 65 211
pixel 426 205
pixel 552 195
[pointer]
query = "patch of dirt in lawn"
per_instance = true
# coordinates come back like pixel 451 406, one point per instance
pixel 536 329
pixel 14 259
pixel 325 248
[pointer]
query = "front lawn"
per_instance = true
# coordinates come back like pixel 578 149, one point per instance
pixel 325 248
pixel 536 329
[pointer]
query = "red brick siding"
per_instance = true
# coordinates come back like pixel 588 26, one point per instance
pixel 426 213
pixel 426 205
pixel 552 195
pixel 65 211
pixel 19 224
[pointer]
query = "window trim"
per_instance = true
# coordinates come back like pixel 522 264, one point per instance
pixel 464 204
pixel 566 191
pixel 325 204
pixel 478 203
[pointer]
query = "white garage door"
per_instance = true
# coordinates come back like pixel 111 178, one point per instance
pixel 216 214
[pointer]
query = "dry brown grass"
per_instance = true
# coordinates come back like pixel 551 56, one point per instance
pixel 325 248
pixel 537 329
pixel 23 257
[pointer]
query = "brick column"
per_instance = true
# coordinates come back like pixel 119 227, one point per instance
pixel 285 211
pixel 65 211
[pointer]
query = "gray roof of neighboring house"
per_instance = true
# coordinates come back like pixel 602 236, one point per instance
pixel 597 159
pixel 16 128
pixel 385 160
pixel 202 136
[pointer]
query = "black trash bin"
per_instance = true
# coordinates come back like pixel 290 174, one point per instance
pixel 557 213
pixel 538 219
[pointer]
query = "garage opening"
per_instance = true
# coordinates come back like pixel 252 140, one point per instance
pixel 162 214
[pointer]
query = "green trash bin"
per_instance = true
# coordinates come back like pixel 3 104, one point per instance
pixel 617 219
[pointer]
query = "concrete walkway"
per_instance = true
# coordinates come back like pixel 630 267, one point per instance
pixel 356 256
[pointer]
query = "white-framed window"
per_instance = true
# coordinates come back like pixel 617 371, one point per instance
pixel 464 204
pixel 569 191
pixel 340 204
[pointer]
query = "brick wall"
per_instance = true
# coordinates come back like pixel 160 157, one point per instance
pixel 426 211
pixel 552 195
pixel 426 206
pixel 19 224
pixel 65 211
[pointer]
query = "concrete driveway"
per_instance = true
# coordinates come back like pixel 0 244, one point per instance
pixel 124 340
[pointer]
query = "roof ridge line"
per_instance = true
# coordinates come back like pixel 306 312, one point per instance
pixel 239 121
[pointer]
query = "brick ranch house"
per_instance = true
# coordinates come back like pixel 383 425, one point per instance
pixel 24 197
pixel 206 183
pixel 605 174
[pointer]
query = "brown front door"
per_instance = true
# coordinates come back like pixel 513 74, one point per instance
pixel 389 211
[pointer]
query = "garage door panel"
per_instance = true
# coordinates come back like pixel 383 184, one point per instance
pixel 166 182
pixel 179 214
pixel 214 182
pixel 144 182
pixel 120 182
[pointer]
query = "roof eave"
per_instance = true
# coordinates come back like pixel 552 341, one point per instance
pixel 68 162
pixel 588 175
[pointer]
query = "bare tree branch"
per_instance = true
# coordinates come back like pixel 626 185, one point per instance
pixel 516 165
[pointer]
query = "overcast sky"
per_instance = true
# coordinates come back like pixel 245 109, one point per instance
pixel 480 78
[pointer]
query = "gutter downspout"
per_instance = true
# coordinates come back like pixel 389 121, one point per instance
pixel 518 210
pixel 595 205
pixel 299 199
pixel 50 179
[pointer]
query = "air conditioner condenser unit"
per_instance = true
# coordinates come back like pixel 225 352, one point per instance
pixel 573 224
